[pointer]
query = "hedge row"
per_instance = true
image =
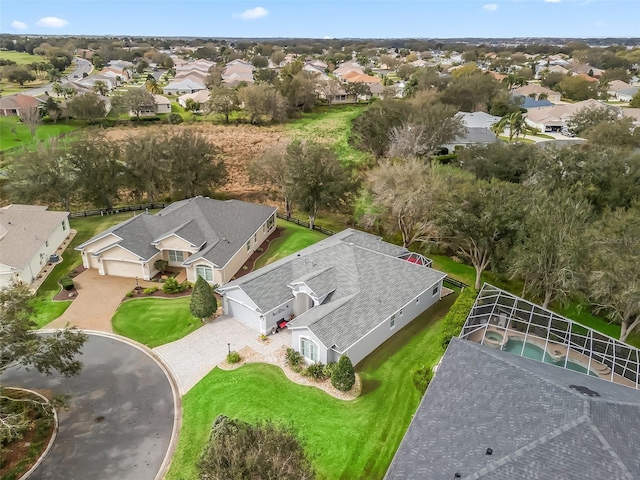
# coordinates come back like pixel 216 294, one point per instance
pixel 454 320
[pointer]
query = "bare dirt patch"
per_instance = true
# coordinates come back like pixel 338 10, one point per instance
pixel 238 144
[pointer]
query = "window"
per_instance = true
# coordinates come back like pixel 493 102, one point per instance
pixel 64 226
pixel 392 321
pixel 264 227
pixel 249 245
pixel 205 272
pixel 435 290
pixel 271 222
pixel 309 350
pixel 175 256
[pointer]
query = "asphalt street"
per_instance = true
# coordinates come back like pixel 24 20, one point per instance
pixel 120 415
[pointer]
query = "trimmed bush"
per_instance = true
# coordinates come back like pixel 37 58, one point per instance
pixel 171 285
pixel 161 265
pixel 203 301
pixel 150 290
pixel 454 320
pixel 316 371
pixel 421 379
pixel 233 357
pixel 294 359
pixel 329 368
pixel 344 376
pixel 66 282
pixel 128 294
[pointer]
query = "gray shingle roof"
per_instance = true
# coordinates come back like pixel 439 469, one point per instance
pixel 222 226
pixel 369 284
pixel 527 412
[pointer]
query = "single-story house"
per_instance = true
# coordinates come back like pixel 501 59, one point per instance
pixel 615 86
pixel 182 87
pixel 204 237
pixel 491 415
pixel 108 80
pixel 472 136
pixel 12 104
pixel 554 118
pixel 29 235
pixel 478 119
pixel 163 104
pixel 201 97
pixel 344 295
pixel 538 92
pixel 627 94
pixel 527 102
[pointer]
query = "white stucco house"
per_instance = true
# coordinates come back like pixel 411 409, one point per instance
pixel 344 295
pixel 205 237
pixel 29 235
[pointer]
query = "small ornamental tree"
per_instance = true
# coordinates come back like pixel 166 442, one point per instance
pixel 161 265
pixel 344 376
pixel 203 301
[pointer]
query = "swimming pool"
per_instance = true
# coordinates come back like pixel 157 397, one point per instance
pixel 536 353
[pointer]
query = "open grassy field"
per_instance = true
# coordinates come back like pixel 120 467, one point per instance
pixel 22 135
pixel 346 440
pixel 47 310
pixel 155 321
pixel 332 125
pixel 21 58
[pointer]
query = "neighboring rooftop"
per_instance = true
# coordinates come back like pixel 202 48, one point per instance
pixel 23 231
pixel 538 421
pixel 219 228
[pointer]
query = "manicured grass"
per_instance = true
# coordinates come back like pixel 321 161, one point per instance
pixel 21 58
pixel 47 310
pixel 23 135
pixel 335 222
pixel 346 440
pixel 332 125
pixel 293 239
pixel 155 321
pixel 516 140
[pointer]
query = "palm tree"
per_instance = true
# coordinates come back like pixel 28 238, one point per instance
pixel 100 87
pixel 153 86
pixel 57 88
pixel 515 121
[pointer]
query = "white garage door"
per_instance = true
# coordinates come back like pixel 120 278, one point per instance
pixel 122 269
pixel 244 314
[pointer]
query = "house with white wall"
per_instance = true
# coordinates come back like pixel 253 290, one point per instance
pixel 344 295
pixel 204 237
pixel 29 235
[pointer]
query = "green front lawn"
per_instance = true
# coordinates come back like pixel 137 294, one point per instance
pixel 293 239
pixel 22 134
pixel 346 440
pixel 155 321
pixel 47 310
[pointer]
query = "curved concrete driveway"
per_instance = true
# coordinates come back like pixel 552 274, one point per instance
pixel 120 419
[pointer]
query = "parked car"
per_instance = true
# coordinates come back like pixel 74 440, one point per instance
pixel 567 133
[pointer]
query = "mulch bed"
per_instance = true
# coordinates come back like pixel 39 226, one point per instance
pixel 63 294
pixel 251 262
pixel 138 293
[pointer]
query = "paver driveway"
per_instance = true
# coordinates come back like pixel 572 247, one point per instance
pixel 97 301
pixel 121 415
pixel 195 355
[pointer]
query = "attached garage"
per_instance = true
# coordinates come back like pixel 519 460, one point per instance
pixel 122 269
pixel 243 314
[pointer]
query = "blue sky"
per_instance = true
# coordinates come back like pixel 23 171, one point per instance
pixel 324 18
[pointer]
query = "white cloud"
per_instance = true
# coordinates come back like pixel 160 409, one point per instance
pixel 253 13
pixel 552 1
pixel 491 7
pixel 18 25
pixel 51 22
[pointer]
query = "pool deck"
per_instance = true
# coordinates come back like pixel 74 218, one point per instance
pixel 558 352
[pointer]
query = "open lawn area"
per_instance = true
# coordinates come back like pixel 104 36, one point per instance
pixel 293 239
pixel 155 321
pixel 22 134
pixel 21 58
pixel 346 440
pixel 331 125
pixel 47 310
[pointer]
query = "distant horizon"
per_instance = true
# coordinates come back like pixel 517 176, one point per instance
pixel 325 19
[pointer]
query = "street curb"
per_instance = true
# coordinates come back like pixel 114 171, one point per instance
pixel 177 399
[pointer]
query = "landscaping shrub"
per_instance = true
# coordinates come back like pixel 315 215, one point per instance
pixel 421 379
pixel 316 371
pixel 171 285
pixel 174 118
pixel 344 376
pixel 294 360
pixel 161 265
pixel 66 282
pixel 454 320
pixel 329 368
pixel 233 357
pixel 203 301
pixel 128 294
pixel 150 290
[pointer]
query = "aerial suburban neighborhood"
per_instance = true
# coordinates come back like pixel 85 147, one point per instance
pixel 272 243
